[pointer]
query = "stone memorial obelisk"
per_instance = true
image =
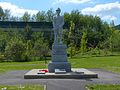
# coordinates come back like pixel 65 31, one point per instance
pixel 59 53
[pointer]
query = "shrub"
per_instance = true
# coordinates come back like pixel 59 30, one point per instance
pixel 15 50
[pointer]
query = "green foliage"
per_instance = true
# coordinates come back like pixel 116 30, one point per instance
pixel 27 33
pixel 72 30
pixel 27 56
pixel 98 52
pixel 41 46
pixel 26 17
pixel 22 87
pixel 15 49
pixel 49 15
pixel 71 51
pixel 103 87
pixel 41 16
pixel 3 40
pixel 1 13
pixel 2 57
pixel 41 49
pixel 6 16
pixel 83 48
pixel 71 38
pixel 113 42
pixel 84 34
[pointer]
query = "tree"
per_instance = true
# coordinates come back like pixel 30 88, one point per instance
pixel 27 33
pixel 6 16
pixel 41 16
pixel 3 40
pixel 15 50
pixel 1 13
pixel 49 16
pixel 26 17
pixel 13 18
pixel 41 49
pixel 114 41
pixel 71 38
pixel 83 45
pixel 29 51
pixel 33 18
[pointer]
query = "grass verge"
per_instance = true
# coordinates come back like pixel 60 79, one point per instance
pixel 111 63
pixel 8 66
pixel 22 87
pixel 103 87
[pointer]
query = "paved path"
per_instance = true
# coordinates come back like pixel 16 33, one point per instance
pixel 17 77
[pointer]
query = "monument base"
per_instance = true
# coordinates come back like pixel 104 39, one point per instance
pixel 59 65
pixel 59 59
pixel 78 73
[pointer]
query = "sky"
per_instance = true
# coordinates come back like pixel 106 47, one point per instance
pixel 107 10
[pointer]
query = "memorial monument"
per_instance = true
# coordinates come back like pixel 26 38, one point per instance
pixel 59 54
pixel 59 67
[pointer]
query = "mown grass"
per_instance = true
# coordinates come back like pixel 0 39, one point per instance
pixel 22 87
pixel 103 87
pixel 8 66
pixel 111 63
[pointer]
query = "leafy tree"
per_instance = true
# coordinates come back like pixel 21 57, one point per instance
pixel 115 41
pixel 40 46
pixel 83 47
pixel 6 16
pixel 1 13
pixel 13 18
pixel 15 50
pixel 71 36
pixel 26 17
pixel 33 18
pixel 3 40
pixel 37 36
pixel 49 15
pixel 41 49
pixel 41 16
pixel 27 56
pixel 27 33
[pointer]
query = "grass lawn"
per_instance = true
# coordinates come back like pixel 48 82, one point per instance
pixel 22 87
pixel 103 87
pixel 111 63
pixel 8 66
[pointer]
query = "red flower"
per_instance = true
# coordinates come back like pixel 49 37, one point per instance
pixel 45 70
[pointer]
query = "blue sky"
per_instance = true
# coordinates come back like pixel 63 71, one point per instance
pixel 107 10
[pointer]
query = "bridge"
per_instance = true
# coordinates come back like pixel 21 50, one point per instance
pixel 35 26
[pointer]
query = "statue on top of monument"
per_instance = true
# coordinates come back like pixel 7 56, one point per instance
pixel 58 22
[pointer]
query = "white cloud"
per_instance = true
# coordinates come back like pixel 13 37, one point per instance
pixel 16 10
pixel 108 11
pixel 70 1
pixel 109 17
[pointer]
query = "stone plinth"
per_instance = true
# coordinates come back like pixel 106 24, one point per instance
pixel 59 58
pixel 78 73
